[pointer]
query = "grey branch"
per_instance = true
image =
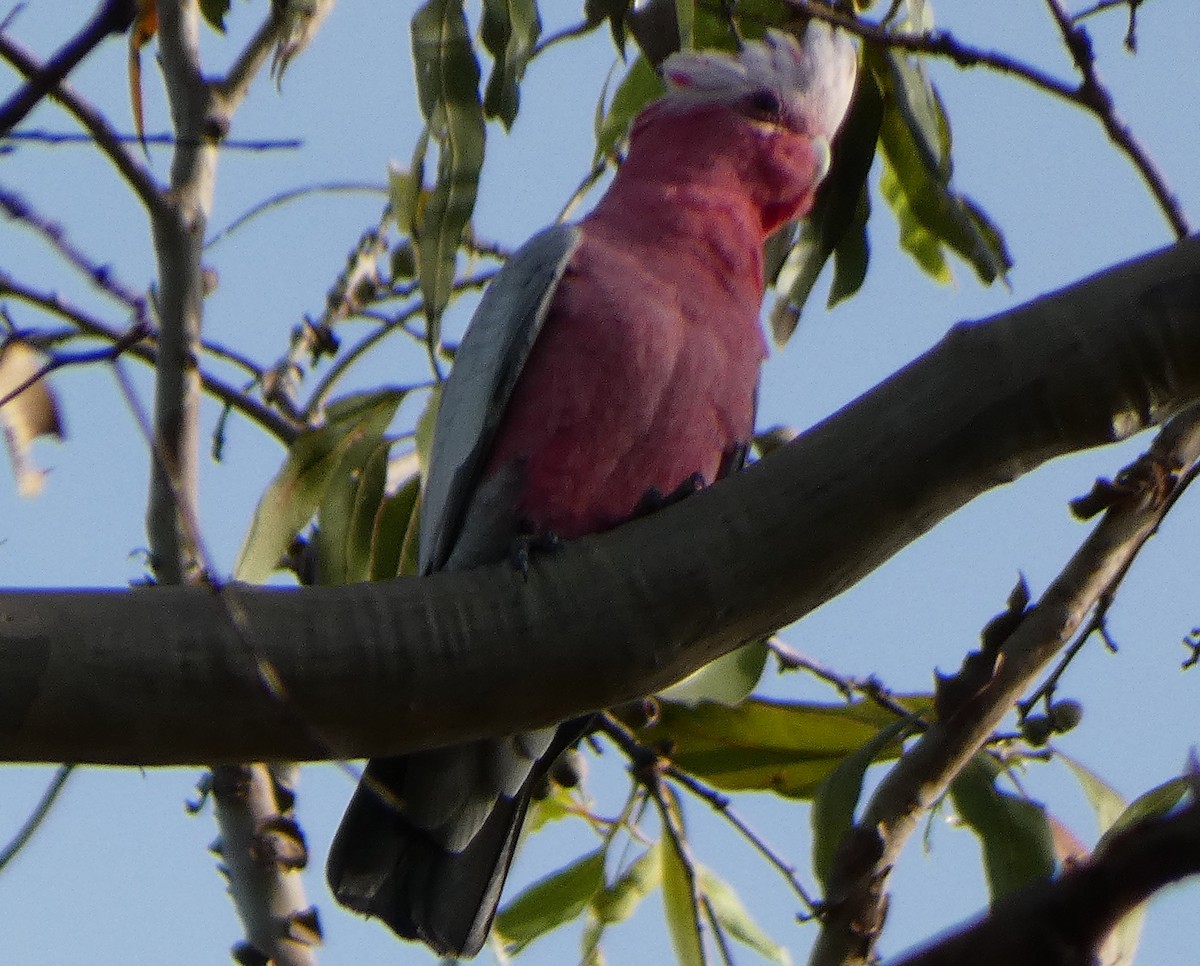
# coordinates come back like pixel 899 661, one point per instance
pixel 175 675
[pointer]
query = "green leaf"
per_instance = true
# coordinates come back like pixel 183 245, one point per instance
pixel 551 902
pixel 394 534
pixel 837 797
pixel 915 141
pixel 685 20
pixel 639 87
pixel 1106 801
pixel 728 680
pixel 1018 847
pixel 681 899
pixel 448 90
pixel 1151 805
pixel 346 514
pixel 777 746
pixel 426 423
pixel 354 423
pixel 617 902
pixel 735 920
pixel 510 30
pixel 837 225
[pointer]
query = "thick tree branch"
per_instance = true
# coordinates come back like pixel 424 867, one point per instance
pixel 174 675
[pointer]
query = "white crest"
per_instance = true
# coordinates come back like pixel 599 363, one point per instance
pixel 813 77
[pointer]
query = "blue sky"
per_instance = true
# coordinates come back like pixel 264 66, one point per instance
pixel 120 874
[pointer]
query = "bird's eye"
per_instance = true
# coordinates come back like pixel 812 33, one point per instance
pixel 765 105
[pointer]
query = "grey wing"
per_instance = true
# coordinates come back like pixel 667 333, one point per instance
pixel 486 368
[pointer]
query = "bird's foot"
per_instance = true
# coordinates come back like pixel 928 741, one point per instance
pixel 529 543
pixel 733 459
pixel 654 499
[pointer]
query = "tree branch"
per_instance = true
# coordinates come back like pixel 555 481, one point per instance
pixel 135 173
pixel 113 17
pixel 174 675
pixel 1065 921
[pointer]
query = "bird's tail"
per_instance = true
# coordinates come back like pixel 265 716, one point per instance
pixel 427 839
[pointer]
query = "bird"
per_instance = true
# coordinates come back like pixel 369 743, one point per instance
pixel 611 366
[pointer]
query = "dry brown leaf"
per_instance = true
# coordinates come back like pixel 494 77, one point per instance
pixel 29 414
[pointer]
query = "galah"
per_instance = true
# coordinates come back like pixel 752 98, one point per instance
pixel 610 364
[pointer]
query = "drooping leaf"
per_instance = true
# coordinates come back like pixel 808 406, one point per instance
pixel 783 747
pixel 448 91
pixel 145 26
pixel 837 797
pixel 346 514
pixel 510 30
pixel 837 225
pixel 551 902
pixel 617 902
pixel 1018 847
pixel 29 414
pixel 681 896
pixel 394 535
pixel 1150 805
pixel 728 680
pixel 915 141
pixel 638 87
pixel 1106 801
pixel 355 424
pixel 735 919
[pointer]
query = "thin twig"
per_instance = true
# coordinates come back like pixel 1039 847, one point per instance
pixel 101 276
pixel 279 427
pixel 37 816
pixel 113 17
pixel 63 360
pixel 227 144
pixel 128 165
pixel 566 33
pixel 293 194
pixel 1090 96
pixel 638 753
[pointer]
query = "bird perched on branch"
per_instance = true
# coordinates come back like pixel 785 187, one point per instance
pixel 610 365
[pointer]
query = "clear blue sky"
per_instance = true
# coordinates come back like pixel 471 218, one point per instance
pixel 119 874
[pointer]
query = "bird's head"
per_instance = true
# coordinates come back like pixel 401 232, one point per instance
pixel 802 84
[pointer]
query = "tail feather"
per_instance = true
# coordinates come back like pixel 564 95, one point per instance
pixel 383 863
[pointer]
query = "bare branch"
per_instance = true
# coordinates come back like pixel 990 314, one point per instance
pixel 128 165
pixel 113 17
pixel 1089 95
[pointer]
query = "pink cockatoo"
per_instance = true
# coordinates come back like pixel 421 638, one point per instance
pixel 609 363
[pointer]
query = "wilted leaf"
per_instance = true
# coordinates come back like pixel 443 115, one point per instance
pixel 777 746
pixel 639 87
pixel 355 424
pixel 1018 847
pixel 448 90
pixel 728 680
pixel 837 797
pixel 31 413
pixel 551 902
pixel 145 26
pixel 736 920
pixel 509 29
